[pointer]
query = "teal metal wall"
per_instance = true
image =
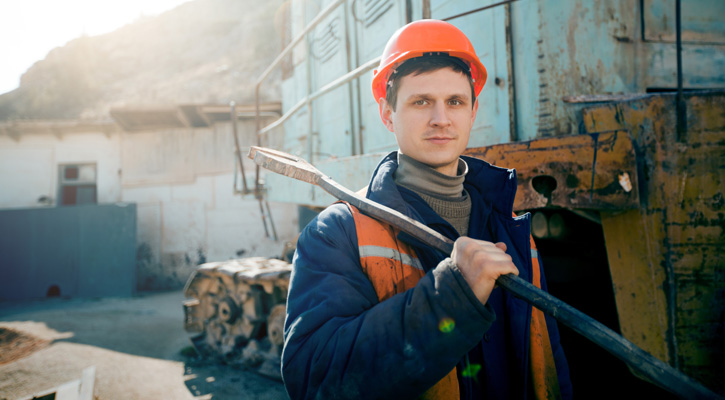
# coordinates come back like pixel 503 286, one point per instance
pixel 85 251
pixel 539 54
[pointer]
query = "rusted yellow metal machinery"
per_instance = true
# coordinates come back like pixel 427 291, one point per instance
pixel 665 256
pixel 658 196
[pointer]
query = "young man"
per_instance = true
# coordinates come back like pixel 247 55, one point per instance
pixel 372 312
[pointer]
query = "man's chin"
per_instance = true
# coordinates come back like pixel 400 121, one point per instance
pixel 442 165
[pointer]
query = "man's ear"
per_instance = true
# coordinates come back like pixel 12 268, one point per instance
pixel 474 111
pixel 386 114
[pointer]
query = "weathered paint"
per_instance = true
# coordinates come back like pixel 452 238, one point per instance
pixel 665 264
pixel 536 53
pixel 585 169
pixel 487 32
pixel 85 251
pixel 570 48
pixel 665 258
pixel 332 134
pixel 701 21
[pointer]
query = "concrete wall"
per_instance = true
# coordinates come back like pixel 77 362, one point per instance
pixel 29 165
pixel 181 180
pixel 183 183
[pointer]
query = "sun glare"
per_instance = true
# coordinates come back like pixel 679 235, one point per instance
pixel 29 29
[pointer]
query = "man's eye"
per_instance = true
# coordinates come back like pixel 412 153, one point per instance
pixel 455 102
pixel 420 102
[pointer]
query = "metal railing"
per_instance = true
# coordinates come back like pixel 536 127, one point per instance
pixel 306 101
pixel 354 74
pixel 277 61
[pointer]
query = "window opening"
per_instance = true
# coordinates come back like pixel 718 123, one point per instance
pixel 77 184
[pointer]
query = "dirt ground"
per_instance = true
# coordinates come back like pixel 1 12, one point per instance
pixel 135 344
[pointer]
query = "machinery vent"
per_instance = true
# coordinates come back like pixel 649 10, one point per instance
pixel 327 42
pixel 374 9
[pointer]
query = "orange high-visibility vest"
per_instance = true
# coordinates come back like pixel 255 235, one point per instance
pixel 393 267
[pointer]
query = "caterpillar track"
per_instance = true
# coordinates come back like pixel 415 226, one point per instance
pixel 235 310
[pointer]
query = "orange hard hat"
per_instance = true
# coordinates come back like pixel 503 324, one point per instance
pixel 419 38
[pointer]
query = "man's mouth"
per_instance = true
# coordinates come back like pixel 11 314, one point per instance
pixel 439 139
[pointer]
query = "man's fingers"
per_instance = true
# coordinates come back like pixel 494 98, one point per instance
pixel 481 263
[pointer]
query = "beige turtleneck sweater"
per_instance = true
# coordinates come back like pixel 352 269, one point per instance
pixel 443 193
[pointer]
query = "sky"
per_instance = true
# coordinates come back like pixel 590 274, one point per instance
pixel 29 29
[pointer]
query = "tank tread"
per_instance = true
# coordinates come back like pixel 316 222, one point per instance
pixel 236 308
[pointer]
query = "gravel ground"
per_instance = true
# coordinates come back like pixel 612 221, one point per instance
pixel 134 343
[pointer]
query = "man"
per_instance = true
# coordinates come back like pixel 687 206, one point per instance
pixel 372 312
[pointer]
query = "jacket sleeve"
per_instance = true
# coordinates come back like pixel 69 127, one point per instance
pixel 341 342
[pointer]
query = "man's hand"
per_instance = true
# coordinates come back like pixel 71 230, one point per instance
pixel 481 263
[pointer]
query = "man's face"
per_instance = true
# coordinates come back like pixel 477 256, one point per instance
pixel 433 118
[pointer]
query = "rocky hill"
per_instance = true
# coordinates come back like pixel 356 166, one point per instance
pixel 204 51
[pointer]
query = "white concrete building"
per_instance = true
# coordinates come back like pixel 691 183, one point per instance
pixel 177 164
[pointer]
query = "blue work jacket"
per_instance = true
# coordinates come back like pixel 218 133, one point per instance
pixel 341 342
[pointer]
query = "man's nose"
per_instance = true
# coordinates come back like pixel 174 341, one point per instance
pixel 439 117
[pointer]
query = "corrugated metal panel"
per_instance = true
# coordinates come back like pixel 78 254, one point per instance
pixel 331 129
pixel 702 21
pixel 487 31
pixel 85 251
pixel 372 35
pixel 586 48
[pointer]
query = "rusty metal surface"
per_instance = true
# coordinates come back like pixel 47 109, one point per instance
pixel 595 171
pixel 665 258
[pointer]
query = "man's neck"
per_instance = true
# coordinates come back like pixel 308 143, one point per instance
pixel 420 177
pixel 443 193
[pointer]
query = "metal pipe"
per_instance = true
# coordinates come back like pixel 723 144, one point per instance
pixel 681 130
pixel 271 221
pixel 681 116
pixel 324 13
pixel 356 85
pixel 233 117
pixel 642 35
pixel 356 73
pixel 350 92
pixel 258 124
pixel 264 218
pixel 513 111
pixel 478 9
pixel 308 104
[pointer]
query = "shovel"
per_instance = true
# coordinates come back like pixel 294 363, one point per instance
pixel 647 365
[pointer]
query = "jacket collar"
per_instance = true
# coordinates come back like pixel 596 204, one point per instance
pixel 496 185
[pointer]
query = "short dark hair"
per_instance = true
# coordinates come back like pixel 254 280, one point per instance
pixel 422 65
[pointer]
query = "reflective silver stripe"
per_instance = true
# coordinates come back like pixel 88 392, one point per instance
pixel 534 254
pixel 387 252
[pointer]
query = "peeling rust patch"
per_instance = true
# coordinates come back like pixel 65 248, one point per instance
pixel 586 169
